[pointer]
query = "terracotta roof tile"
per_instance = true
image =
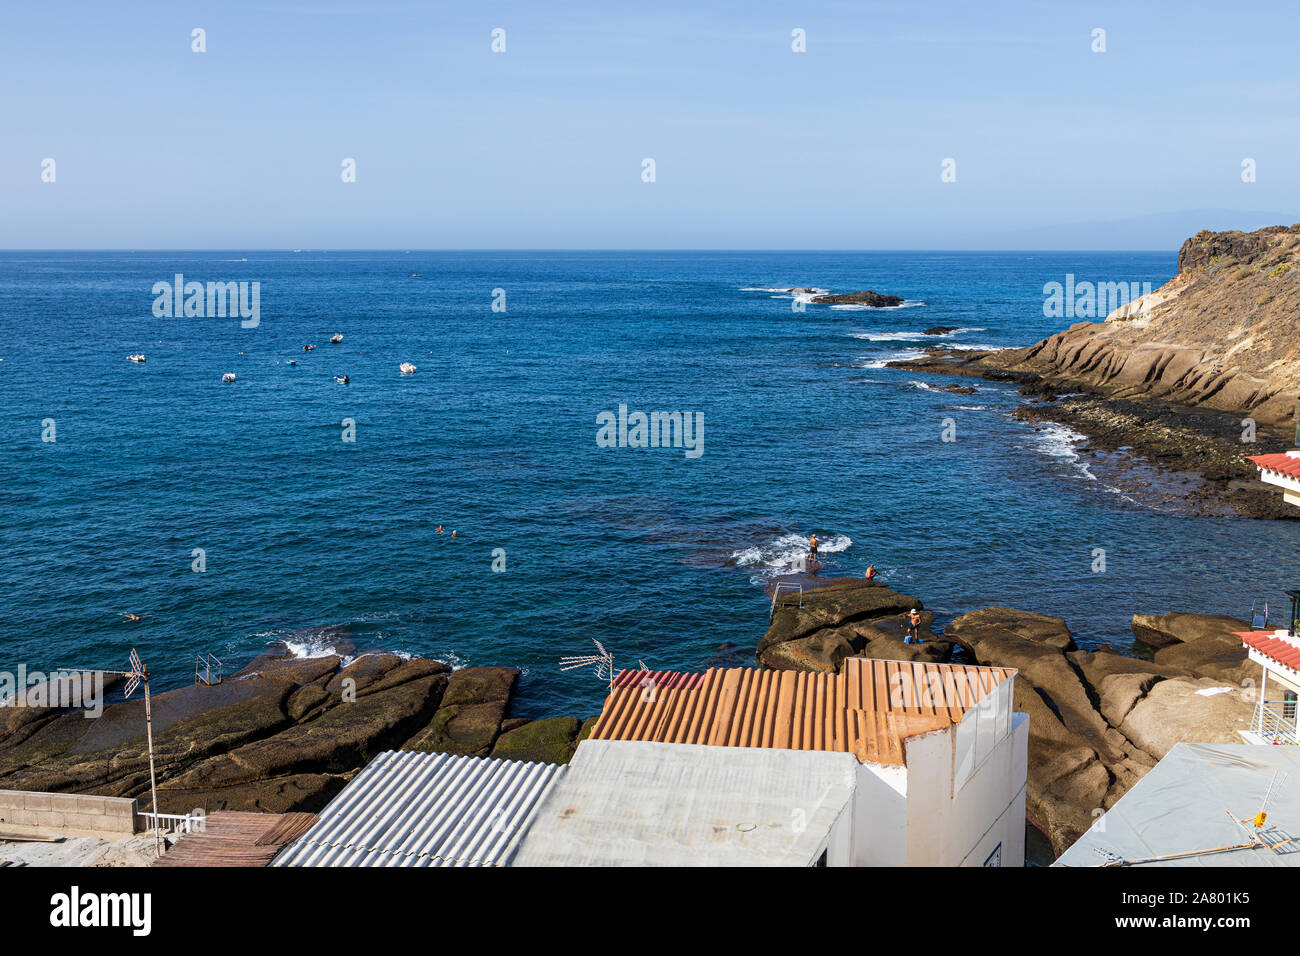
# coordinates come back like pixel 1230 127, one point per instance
pixel 868 709
pixel 1274 648
pixel 1282 463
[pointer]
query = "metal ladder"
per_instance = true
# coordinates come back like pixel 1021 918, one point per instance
pixel 204 668
pixel 776 593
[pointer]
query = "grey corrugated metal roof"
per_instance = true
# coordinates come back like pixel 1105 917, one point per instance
pixel 418 809
pixel 638 803
pixel 1188 802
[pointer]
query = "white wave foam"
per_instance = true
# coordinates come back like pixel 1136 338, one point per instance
pixel 1061 443
pixel 1057 441
pixel 907 355
pixel 787 290
pixel 310 647
pixel 859 307
pixel 785 554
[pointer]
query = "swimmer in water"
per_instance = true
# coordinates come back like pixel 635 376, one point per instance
pixel 453 533
pixel 128 616
pixel 439 529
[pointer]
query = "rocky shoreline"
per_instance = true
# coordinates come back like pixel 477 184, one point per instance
pixel 1177 387
pixel 1098 720
pixel 1188 458
pixel 286 733
pixel 283 734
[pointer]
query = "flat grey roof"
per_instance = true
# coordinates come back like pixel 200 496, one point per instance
pixel 1189 801
pixel 637 803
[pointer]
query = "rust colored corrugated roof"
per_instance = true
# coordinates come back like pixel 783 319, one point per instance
pixel 868 709
pixel 1274 648
pixel 1282 463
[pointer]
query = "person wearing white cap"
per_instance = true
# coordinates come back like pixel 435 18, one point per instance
pixel 913 626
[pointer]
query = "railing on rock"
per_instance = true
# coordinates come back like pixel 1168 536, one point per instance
pixel 205 667
pixel 776 593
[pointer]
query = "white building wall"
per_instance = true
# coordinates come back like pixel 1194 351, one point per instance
pixel 947 824
pixel 880 816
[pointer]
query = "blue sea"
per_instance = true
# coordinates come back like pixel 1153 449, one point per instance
pixel 660 556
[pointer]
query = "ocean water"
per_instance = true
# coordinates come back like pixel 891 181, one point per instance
pixel 660 556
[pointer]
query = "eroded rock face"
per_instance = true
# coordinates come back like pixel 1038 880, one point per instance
pixel 1224 333
pixel 469 719
pixel 285 733
pixel 1200 645
pixel 839 619
pixel 1100 720
pixel 1164 630
pixel 1199 711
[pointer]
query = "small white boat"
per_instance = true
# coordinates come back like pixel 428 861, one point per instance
pixel 341 379
pixel 137 358
pixel 407 368
pixel 336 338
pixel 228 377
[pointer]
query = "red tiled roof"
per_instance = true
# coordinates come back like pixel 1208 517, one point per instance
pixel 1281 462
pixel 868 709
pixel 1274 648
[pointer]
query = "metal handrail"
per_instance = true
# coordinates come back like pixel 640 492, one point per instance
pixel 204 663
pixel 1276 720
pixel 173 822
pixel 776 592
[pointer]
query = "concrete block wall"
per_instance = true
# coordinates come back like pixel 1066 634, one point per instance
pixel 68 814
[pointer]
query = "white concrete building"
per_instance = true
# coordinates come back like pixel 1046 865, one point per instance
pixel 1283 470
pixel 887 763
pixel 1277 650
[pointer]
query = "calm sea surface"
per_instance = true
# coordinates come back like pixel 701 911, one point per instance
pixel 658 555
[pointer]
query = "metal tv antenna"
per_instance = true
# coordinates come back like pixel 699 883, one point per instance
pixel 1274 787
pixel 1257 838
pixel 602 664
pixel 135 677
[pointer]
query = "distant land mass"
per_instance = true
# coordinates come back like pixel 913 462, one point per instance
pixel 1184 374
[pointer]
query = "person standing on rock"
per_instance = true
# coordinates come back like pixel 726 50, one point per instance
pixel 913 626
pixel 812 552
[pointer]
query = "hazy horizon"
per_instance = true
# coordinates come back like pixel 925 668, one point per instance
pixel 1054 136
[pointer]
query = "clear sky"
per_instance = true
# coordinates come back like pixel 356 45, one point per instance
pixel 755 146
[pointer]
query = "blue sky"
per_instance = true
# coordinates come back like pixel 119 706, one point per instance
pixel 755 146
